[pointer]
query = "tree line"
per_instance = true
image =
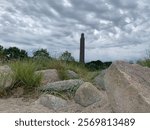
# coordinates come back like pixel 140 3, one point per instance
pixel 14 53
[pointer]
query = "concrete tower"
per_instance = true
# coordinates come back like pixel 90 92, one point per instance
pixel 82 48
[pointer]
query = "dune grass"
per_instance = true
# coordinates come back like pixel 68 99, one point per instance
pixel 63 66
pixel 24 74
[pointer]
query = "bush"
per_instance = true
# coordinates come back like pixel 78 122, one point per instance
pixel 24 74
pixel 145 62
pixel 97 65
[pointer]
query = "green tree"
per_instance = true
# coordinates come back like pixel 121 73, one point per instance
pixel 1 52
pixel 15 53
pixel 66 56
pixel 41 53
pixel 1 47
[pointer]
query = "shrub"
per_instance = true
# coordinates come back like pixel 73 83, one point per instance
pixel 145 62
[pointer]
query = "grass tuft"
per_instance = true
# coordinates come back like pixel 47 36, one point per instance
pixel 24 73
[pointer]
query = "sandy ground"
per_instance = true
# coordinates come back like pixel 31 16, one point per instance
pixel 23 105
pixel 19 105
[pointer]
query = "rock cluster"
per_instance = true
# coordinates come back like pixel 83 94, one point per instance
pixel 123 87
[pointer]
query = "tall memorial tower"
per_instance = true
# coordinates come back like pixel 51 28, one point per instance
pixel 82 49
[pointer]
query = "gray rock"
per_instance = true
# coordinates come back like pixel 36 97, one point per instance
pixel 50 75
pixel 102 106
pixel 6 76
pixel 52 102
pixel 128 87
pixel 62 85
pixel 72 74
pixel 99 80
pixel 87 94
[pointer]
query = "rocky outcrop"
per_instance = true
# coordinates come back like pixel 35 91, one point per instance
pixel 6 78
pixel 72 75
pixel 52 102
pixel 128 87
pixel 87 94
pixel 62 85
pixel 48 76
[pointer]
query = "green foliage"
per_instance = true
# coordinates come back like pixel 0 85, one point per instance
pixel 41 53
pixel 97 65
pixel 146 61
pixel 66 56
pixel 24 73
pixel 1 47
pixel 60 67
pixel 2 55
pixel 46 63
pixel 15 53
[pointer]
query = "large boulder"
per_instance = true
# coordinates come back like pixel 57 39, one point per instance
pixel 128 87
pixel 6 76
pixel 99 80
pixel 87 94
pixel 50 75
pixel 102 106
pixel 62 85
pixel 52 102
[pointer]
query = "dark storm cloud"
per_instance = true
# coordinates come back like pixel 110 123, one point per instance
pixel 111 27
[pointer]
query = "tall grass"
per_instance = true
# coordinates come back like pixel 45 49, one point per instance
pixel 24 74
pixel 24 71
pixel 63 66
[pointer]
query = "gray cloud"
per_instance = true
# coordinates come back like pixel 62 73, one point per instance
pixel 114 29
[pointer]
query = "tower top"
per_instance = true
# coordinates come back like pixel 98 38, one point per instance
pixel 82 34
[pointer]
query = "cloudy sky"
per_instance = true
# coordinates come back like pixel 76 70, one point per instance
pixel 114 29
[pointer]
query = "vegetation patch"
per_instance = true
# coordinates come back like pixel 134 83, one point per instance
pixel 24 74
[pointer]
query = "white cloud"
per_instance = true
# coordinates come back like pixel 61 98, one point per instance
pixel 111 27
